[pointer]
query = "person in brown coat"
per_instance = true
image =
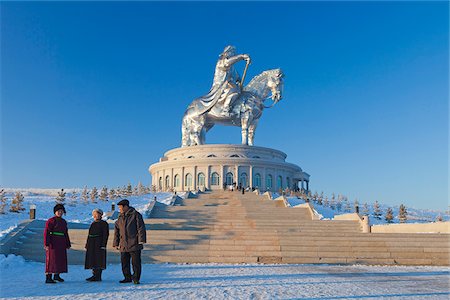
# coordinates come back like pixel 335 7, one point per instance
pixel 129 237
pixel 96 246
pixel 56 243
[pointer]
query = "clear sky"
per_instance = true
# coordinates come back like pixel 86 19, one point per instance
pixel 92 93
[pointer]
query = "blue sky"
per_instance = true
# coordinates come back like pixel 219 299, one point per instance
pixel 92 93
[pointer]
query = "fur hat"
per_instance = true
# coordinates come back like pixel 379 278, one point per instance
pixel 98 210
pixel 58 207
pixel 124 202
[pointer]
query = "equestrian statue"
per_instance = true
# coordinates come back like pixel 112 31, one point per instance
pixel 230 103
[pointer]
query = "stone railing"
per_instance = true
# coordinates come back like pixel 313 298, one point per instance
pixel 10 239
pixel 435 227
pixel 363 220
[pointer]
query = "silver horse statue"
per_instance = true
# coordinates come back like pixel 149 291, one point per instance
pixel 244 112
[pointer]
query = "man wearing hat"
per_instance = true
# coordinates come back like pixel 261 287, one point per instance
pixel 56 243
pixel 129 238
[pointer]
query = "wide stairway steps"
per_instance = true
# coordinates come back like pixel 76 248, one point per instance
pixel 228 227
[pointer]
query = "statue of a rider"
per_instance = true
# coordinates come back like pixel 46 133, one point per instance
pixel 226 86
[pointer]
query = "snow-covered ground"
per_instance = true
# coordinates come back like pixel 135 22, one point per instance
pixel 80 212
pixel 414 215
pixel 44 199
pixel 25 280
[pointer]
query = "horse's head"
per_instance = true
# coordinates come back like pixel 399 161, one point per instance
pixel 275 83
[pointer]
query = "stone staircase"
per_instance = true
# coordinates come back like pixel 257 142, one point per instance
pixel 228 227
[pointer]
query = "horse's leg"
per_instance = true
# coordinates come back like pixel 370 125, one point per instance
pixel 251 131
pixel 244 126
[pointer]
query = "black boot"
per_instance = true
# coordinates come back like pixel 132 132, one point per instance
pixel 96 275
pixel 48 279
pixel 92 278
pixel 58 278
pixel 126 280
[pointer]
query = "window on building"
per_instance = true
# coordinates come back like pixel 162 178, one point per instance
pixel 201 179
pixel 188 179
pixel 215 178
pixel 167 182
pixel 229 178
pixel 176 181
pixel 269 181
pixel 234 155
pixel 211 155
pixel 279 182
pixel 257 181
pixel 243 180
pixel 288 182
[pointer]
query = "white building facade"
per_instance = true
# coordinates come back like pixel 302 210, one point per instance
pixel 217 165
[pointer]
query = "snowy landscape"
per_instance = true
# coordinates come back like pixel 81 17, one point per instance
pixel 220 281
pixel 208 281
pixel 79 209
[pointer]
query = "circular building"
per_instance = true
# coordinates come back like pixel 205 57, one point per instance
pixel 215 166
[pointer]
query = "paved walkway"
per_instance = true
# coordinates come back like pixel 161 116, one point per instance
pixel 24 280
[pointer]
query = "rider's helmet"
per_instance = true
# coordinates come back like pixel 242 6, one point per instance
pixel 228 51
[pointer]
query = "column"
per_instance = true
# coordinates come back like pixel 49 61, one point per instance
pixel 207 176
pixel 195 179
pixel 221 177
pixel 307 185
pixel 250 180
pixel 182 179
pixel 236 175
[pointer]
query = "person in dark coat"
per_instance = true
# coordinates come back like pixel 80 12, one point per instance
pixel 129 237
pixel 56 243
pixel 96 246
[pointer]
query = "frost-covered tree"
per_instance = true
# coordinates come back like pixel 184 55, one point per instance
pixel 377 211
pixel 2 201
pixel 315 197
pixel 365 210
pixel 73 198
pixel 402 214
pixel 119 192
pixel 333 201
pixel 389 215
pixel 141 189
pixel 61 197
pixel 129 189
pixel 339 203
pixel 325 201
pixel 320 199
pixel 439 218
pixel 94 195
pixel 17 203
pixel 104 194
pixel 85 195
pixel 346 204
pixel 112 194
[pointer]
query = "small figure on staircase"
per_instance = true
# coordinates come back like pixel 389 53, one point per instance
pixel 56 243
pixel 96 246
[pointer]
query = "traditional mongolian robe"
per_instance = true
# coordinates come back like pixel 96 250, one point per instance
pixel 56 238
pixel 97 239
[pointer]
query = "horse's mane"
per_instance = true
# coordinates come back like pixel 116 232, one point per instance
pixel 258 83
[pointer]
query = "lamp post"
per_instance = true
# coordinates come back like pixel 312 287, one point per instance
pixel 113 206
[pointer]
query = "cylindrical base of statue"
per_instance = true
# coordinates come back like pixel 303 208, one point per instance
pixel 219 166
